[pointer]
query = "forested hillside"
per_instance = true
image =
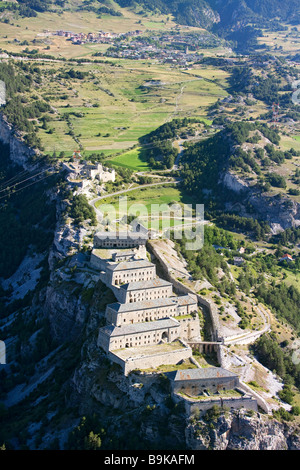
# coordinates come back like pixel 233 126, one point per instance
pixel 238 21
pixel 228 13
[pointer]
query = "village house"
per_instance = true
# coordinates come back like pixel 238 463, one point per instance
pixel 287 258
pixel 238 261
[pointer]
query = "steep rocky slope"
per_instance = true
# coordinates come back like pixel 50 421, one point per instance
pixel 60 374
pixel 241 430
pixel 281 212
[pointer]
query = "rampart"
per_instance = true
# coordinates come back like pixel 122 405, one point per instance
pixel 192 406
pixel 180 288
pixel 151 361
pixel 222 357
pixel 252 399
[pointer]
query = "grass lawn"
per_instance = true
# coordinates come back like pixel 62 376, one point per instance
pixel 134 159
pixel 287 142
pixel 144 202
pixel 110 111
pixel 292 279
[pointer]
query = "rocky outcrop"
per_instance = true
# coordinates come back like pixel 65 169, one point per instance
pixel 233 182
pixel 20 153
pixel 66 313
pixel 280 212
pixel 241 430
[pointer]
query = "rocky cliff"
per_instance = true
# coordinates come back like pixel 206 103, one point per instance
pixel 20 153
pixel 281 212
pixel 73 373
pixel 241 430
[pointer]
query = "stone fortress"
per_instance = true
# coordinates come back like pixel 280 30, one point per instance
pixel 147 311
pixel 150 325
pixel 80 172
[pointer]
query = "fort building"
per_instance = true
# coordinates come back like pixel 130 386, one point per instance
pixel 148 326
pixel 120 239
pixel 150 310
pixel 113 337
pixel 101 257
pixel 82 170
pixel 201 389
pixel 144 290
pixel 129 271
pixel 198 381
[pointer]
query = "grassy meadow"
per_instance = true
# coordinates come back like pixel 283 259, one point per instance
pixel 133 159
pixel 111 108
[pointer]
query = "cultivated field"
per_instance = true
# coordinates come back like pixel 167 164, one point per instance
pixel 113 105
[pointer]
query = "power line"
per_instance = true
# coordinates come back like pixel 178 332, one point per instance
pixel 27 186
pixel 23 181
pixel 5 183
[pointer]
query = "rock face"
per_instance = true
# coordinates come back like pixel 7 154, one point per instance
pixel 280 212
pixel 20 153
pixel 66 313
pixel 234 183
pixel 239 430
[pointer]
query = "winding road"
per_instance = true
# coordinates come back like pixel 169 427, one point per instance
pixel 124 191
pixel 251 336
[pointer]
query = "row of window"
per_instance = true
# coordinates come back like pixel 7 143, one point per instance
pixel 137 277
pixel 123 243
pixel 135 273
pixel 153 297
pixel 145 339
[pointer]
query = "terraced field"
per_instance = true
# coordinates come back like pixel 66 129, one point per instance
pixel 113 105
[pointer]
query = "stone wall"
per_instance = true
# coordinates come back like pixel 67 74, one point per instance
pixel 213 384
pixel 124 296
pixel 260 401
pixel 137 337
pixel 153 361
pixel 189 328
pixel 225 363
pixel 180 288
pixel 135 274
pixel 97 262
pixel 141 315
pixel 231 403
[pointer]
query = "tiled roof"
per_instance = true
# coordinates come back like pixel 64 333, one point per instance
pixel 139 285
pixel 145 304
pixel 186 300
pixel 203 373
pixel 120 235
pixel 137 328
pixel 127 265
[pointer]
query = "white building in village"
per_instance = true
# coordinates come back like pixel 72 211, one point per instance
pixel 79 171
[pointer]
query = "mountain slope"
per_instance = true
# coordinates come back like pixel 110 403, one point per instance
pixel 228 13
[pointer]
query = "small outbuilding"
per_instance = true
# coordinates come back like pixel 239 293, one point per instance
pixel 200 381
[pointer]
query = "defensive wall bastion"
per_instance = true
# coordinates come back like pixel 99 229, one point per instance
pixel 181 288
pixel 217 340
